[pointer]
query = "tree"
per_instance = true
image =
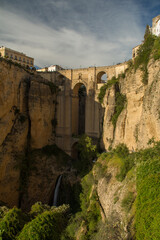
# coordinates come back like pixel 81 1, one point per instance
pixel 147 32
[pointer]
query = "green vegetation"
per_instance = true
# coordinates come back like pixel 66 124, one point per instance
pixel 148 194
pixel 47 225
pixel 126 161
pixel 38 208
pixel 107 85
pixel 3 211
pixel 156 48
pixel 87 152
pixel 143 57
pixel 150 48
pixel 147 212
pixel 42 223
pixel 12 223
pixel 120 101
pixel 128 201
pixel 88 218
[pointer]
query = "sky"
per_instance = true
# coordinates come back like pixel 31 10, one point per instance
pixel 75 33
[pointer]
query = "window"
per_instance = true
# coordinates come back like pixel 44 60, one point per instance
pixel 27 61
pixel 31 62
pixel 11 56
pixel 19 58
pixel 23 59
pixel 15 58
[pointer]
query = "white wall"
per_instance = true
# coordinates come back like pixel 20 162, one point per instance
pixel 156 29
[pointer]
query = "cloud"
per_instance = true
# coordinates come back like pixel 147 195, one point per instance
pixel 81 34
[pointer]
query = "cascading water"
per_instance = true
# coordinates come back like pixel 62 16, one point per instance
pixel 56 191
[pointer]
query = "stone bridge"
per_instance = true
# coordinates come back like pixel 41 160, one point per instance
pixel 78 109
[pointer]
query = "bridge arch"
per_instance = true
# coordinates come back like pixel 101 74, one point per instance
pixel 76 85
pixel 79 93
pixel 101 77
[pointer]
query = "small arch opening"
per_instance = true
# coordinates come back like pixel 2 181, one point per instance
pixel 102 77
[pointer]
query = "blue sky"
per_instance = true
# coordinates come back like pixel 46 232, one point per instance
pixel 75 33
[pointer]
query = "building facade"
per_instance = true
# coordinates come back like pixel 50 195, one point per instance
pixel 54 68
pixel 45 69
pixel 16 56
pixel 156 26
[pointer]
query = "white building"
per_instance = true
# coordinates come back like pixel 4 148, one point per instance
pixel 156 26
pixel 155 30
pixel 54 68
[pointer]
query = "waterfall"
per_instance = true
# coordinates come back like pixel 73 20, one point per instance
pixel 56 191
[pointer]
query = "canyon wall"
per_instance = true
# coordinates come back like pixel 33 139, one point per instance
pixel 27 116
pixel 140 119
pixel 28 102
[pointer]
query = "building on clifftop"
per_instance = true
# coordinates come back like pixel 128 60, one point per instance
pixel 155 30
pixel 16 56
pixel 156 26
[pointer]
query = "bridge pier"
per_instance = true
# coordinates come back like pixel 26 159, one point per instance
pixel 68 107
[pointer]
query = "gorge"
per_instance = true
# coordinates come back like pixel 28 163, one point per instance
pixel 41 119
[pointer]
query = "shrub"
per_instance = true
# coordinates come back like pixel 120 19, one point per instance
pixel 144 55
pixel 127 161
pixel 46 226
pixel 87 152
pixel 121 150
pixel 156 48
pixel 3 211
pixel 105 87
pixel 89 204
pixel 86 148
pixel 128 201
pixel 12 223
pixel 102 93
pixel 120 101
pixel 38 208
pixel 88 218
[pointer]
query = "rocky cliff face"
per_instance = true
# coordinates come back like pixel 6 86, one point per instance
pixel 116 199
pixel 140 119
pixel 27 116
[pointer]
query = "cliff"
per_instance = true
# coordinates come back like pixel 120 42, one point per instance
pixel 139 120
pixel 28 170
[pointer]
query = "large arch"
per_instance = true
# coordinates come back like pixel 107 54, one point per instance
pixel 101 77
pixel 78 109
